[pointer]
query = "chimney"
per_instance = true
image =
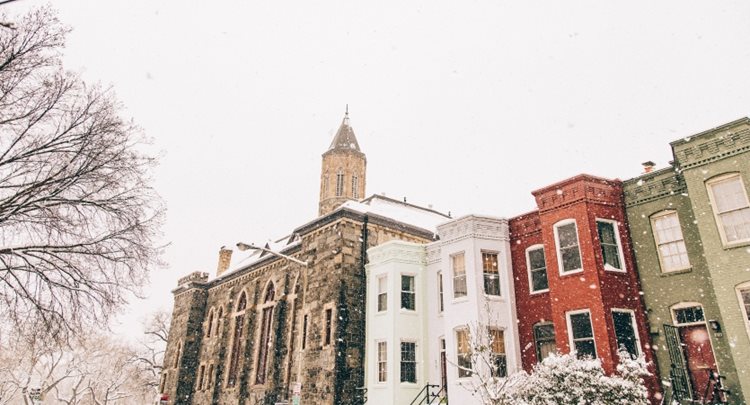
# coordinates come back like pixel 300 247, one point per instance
pixel 648 166
pixel 225 257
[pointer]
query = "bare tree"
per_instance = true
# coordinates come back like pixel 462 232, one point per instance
pixel 78 218
pixel 150 353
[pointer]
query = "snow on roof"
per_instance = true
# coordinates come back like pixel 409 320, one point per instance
pixel 398 211
pixel 403 212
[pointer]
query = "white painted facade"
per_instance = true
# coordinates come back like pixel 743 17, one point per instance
pixel 427 325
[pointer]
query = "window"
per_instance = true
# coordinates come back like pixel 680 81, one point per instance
pixel 265 334
pixel 669 242
pixel 731 208
pixel 328 326
pixel 491 274
pixel 239 323
pixel 339 183
pixel 743 292
pixel 304 332
pixel 408 300
pixel 408 362
pixel 441 305
pixel 382 294
pixel 218 321
pixel 210 323
pixel 544 338
pixel 497 344
pixel 687 315
pixel 210 377
pixel 382 361
pixel 581 333
pixel 325 185
pixel 568 252
pixel 463 353
pixel 459 275
pixel 163 382
pixel 609 240
pixel 537 265
pixel 355 186
pixel 201 375
pixel 626 331
pixel 177 355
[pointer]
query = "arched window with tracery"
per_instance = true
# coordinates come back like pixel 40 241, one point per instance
pixel 210 323
pixel 340 183
pixel 265 333
pixel 239 326
pixel 217 327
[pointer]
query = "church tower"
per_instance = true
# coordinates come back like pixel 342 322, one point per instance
pixel 342 177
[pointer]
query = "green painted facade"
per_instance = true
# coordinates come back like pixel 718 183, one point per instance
pixel 716 268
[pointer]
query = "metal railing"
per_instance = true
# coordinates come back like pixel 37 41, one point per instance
pixel 428 394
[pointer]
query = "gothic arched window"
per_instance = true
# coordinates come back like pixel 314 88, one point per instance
pixel 218 321
pixel 239 323
pixel 355 186
pixel 210 324
pixel 339 183
pixel 265 333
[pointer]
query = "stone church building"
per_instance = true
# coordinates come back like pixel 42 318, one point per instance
pixel 267 329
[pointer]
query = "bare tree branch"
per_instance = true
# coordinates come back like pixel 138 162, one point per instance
pixel 78 217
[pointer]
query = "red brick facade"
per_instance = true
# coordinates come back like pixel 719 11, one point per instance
pixel 585 199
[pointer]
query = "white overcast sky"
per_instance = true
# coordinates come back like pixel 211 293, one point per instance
pixel 467 105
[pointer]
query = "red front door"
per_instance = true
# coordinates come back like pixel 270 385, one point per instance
pixel 699 356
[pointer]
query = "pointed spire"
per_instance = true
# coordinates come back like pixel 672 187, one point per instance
pixel 345 138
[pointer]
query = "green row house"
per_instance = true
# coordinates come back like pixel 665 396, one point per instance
pixel 690 228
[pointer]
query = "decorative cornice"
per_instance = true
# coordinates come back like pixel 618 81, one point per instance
pixel 433 253
pixel 397 251
pixel 472 226
pixel 653 186
pixel 526 224
pixel 712 147
pixel 579 188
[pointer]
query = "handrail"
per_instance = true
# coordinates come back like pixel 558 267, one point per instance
pixel 426 391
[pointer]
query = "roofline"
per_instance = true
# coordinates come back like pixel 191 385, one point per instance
pixel 743 120
pixel 579 177
pixel 405 203
pixel 654 173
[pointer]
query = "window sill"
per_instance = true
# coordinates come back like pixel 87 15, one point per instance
pixel 675 272
pixel 407 311
pixel 460 300
pixel 539 292
pixel 614 270
pixel 381 313
pixel 735 245
pixel 494 297
pixel 409 384
pixel 571 273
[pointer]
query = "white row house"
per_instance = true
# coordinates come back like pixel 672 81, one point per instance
pixel 430 305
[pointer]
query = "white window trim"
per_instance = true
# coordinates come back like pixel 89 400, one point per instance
pixel 683 305
pixel 711 199
pixel 653 219
pixel 536 341
pixel 377 294
pixel 528 269
pixel 738 289
pixel 620 252
pixel 416 362
pixel 560 265
pixel 377 362
pixel 464 297
pixel 416 303
pixel 455 343
pixel 633 320
pixel 441 293
pixel 571 341
pixel 499 279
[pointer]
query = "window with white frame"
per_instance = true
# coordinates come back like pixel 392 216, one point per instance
pixel 408 294
pixel 491 273
pixel 743 293
pixel 537 265
pixel 408 362
pixel 497 345
pixel 626 333
pixel 382 362
pixel 568 250
pixel 441 304
pixel 463 353
pixel 688 314
pixel 731 208
pixel 382 293
pixel 458 266
pixel 581 333
pixel 609 240
pixel 544 338
pixel 669 241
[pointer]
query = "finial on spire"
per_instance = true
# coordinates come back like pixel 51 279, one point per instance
pixel 347 109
